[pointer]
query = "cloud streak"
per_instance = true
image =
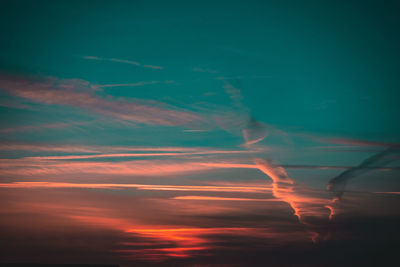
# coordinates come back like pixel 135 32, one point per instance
pixel 310 210
pixel 152 187
pixel 81 94
pixel 124 155
pixel 142 83
pixel 124 61
pixel 201 198
pixel 338 183
pixel 356 142
pixel 45 147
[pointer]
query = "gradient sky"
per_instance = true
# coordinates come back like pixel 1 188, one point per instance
pixel 199 133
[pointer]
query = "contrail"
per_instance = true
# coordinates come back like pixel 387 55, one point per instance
pixel 338 183
pixel 254 131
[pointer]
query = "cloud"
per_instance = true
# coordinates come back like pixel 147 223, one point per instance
pixel 346 141
pixel 235 93
pixel 310 210
pixel 153 67
pixel 223 198
pixel 152 187
pixel 46 147
pixel 81 94
pixel 47 167
pixel 390 193
pixel 124 155
pixel 355 142
pixel 333 167
pixel 29 167
pixel 338 183
pixel 135 84
pixel 124 61
pixel 254 132
pixel 45 126
pixel 195 131
pixel 142 232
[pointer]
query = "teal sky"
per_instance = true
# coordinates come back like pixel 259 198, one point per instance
pixel 327 68
pixel 200 92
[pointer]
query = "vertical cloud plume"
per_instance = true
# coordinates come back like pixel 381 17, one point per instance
pixel 310 211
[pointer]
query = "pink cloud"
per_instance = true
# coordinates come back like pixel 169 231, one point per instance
pixel 223 198
pixel 29 167
pixel 163 154
pixel 89 149
pixel 57 125
pixel 151 187
pixel 79 93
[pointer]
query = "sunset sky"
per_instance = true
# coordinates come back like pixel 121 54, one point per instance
pixel 200 133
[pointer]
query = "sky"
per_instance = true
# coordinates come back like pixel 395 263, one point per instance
pixel 200 133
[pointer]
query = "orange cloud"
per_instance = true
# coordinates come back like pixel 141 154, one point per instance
pixel 198 188
pixel 121 155
pixel 309 210
pixel 89 149
pixel 222 198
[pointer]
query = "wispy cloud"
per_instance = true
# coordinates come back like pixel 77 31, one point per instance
pixel 390 193
pixel 81 94
pixel 356 142
pixel 223 198
pixel 147 154
pixel 338 183
pixel 45 126
pixel 30 167
pixel 252 130
pixel 46 147
pixel 135 84
pixel 346 141
pixel 195 131
pixel 152 187
pixel 124 61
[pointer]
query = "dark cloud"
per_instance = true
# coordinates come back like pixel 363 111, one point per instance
pixel 379 160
